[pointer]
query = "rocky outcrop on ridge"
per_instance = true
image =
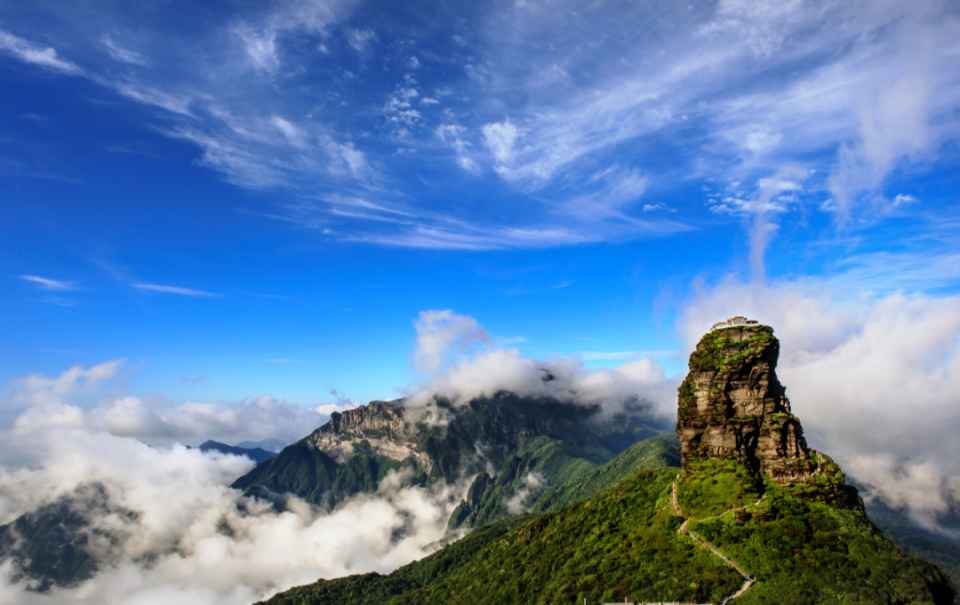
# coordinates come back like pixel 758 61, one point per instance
pixel 379 428
pixel 732 406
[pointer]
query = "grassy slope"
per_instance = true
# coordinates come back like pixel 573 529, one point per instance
pixel 803 552
pixel 552 460
pixel 622 543
pixel 656 452
pixel 572 474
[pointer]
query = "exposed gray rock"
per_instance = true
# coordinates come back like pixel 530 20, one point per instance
pixel 731 405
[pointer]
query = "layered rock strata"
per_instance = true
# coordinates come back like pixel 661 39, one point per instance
pixel 379 428
pixel 731 405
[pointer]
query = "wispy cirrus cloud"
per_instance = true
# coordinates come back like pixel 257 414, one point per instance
pixel 174 290
pixel 534 103
pixel 29 52
pixel 47 283
pixel 123 55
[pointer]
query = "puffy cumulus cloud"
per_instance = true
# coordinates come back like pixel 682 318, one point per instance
pixel 78 398
pixel 465 363
pixel 874 379
pixel 38 389
pixel 192 539
pixel 440 334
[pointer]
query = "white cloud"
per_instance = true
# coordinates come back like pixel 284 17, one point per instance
pixel 261 47
pixel 192 558
pixel 773 83
pixel 903 199
pixel 399 107
pixel 442 333
pixel 292 133
pixel 500 138
pixel 618 189
pixel 74 430
pixel 451 134
pixel 172 102
pixel 173 290
pixel 31 53
pixel 48 284
pixel 345 158
pixel 123 55
pixel 517 503
pixel 360 39
pixel 732 89
pixel 893 124
pixel 260 39
pixel 761 26
pixel 76 399
pixel 464 363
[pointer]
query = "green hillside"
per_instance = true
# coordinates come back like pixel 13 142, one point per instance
pixel 656 452
pixel 624 543
pixel 801 550
pixel 914 539
pixel 567 474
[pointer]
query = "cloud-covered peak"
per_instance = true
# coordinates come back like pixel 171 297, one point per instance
pixel 462 362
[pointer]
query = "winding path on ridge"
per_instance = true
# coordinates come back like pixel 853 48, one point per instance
pixel 749 582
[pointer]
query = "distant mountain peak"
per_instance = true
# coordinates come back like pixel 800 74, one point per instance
pixel 256 454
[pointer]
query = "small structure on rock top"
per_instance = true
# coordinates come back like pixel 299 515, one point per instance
pixel 734 322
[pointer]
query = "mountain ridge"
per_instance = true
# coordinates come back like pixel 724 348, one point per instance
pixel 256 454
pixel 356 449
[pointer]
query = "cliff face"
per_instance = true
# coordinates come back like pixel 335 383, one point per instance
pixel 732 406
pixel 380 428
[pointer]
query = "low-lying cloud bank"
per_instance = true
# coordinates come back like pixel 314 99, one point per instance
pixel 88 399
pixel 875 380
pixel 191 538
pixel 195 540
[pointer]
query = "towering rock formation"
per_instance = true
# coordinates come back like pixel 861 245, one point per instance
pixel 732 406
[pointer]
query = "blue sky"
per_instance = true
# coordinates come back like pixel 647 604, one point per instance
pixel 248 198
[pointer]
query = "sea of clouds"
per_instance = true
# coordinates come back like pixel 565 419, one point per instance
pixel 195 540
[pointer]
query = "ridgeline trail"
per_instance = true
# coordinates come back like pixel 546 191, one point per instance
pixel 749 582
